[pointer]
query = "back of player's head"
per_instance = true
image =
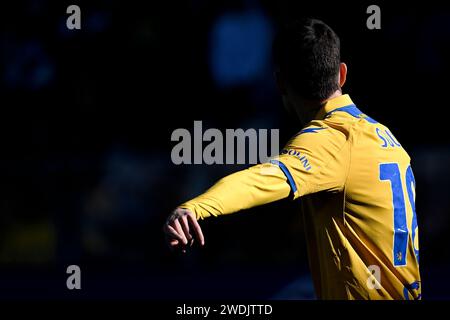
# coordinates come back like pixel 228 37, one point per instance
pixel 307 53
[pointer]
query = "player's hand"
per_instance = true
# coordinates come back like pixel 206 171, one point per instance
pixel 181 228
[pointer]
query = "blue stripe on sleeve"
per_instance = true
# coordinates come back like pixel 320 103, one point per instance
pixel 286 173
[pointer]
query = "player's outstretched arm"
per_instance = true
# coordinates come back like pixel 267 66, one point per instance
pixel 245 189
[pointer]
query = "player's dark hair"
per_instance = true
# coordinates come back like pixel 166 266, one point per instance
pixel 307 53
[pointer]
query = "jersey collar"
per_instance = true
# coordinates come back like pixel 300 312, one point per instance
pixel 332 104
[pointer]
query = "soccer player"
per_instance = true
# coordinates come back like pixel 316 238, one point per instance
pixel 354 178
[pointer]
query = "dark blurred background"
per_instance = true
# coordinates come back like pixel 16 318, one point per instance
pixel 86 176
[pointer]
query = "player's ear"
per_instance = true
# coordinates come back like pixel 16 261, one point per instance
pixel 342 74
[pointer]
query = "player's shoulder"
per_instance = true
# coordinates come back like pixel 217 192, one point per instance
pixel 320 133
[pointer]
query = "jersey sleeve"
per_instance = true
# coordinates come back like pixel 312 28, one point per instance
pixel 316 159
pixel 257 185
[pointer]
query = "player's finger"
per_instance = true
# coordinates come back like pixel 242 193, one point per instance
pixel 197 229
pixel 185 226
pixel 172 243
pixel 176 224
pixel 171 233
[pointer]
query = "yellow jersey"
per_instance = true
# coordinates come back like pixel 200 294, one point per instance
pixel 357 193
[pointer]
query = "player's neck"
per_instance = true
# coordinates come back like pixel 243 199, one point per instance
pixel 310 108
pixel 336 94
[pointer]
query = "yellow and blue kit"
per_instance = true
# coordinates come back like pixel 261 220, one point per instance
pixel 358 193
